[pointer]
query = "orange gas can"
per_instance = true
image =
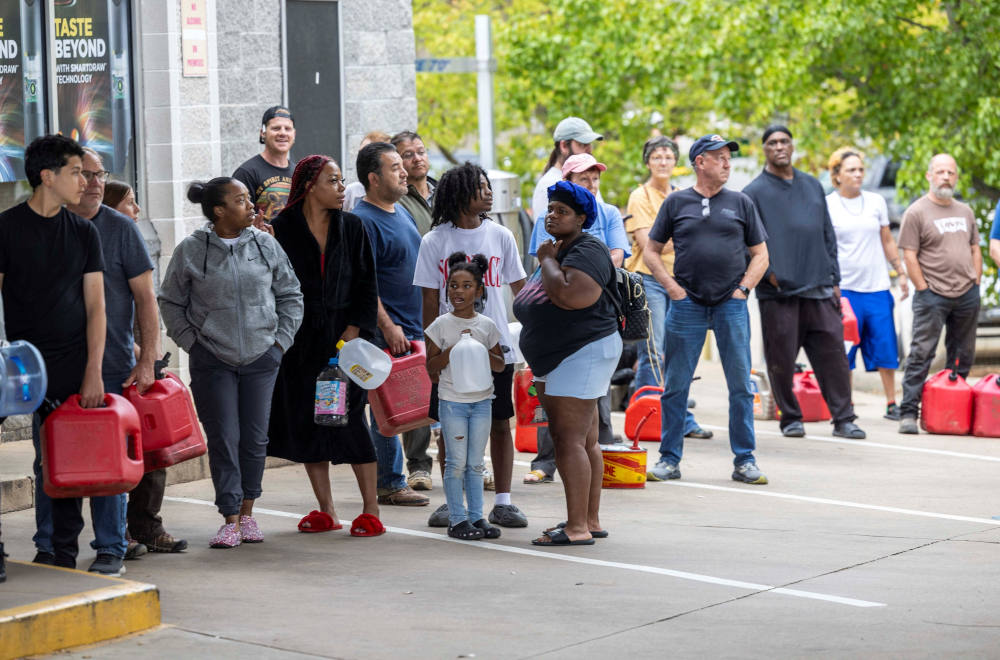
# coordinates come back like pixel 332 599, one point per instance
pixel 88 452
pixel 946 404
pixel 402 402
pixel 810 398
pixel 170 430
pixel 851 334
pixel 642 417
pixel 986 407
pixel 526 438
pixel 529 410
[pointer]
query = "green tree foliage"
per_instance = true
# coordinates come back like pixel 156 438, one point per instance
pixel 908 78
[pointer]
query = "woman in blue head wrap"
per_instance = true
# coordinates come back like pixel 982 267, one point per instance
pixel 570 340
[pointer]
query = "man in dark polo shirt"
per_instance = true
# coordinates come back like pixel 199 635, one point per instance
pixel 800 293
pixel 720 250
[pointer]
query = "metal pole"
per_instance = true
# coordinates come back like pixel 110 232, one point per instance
pixel 484 91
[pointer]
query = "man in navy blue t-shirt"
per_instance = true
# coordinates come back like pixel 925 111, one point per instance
pixel 713 230
pixel 395 244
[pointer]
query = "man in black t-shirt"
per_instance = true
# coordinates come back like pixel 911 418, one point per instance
pixel 268 175
pixel 800 293
pixel 713 230
pixel 51 277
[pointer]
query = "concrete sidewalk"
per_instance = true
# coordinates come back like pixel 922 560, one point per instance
pixel 883 547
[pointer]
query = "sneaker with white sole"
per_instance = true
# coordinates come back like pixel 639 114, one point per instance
pixel 663 471
pixel 749 473
pixel 489 483
pixel 420 480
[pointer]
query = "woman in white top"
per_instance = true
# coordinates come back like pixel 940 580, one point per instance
pixel 864 244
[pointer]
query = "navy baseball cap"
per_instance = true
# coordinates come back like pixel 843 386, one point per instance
pixel 710 143
pixel 577 198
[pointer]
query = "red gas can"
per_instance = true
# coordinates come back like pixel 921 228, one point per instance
pixel 986 407
pixel 170 430
pixel 87 452
pixel 529 410
pixel 946 404
pixel 401 403
pixel 810 398
pixel 526 438
pixel 642 417
pixel 851 334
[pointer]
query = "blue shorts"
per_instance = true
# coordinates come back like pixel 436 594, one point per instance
pixel 586 374
pixel 876 327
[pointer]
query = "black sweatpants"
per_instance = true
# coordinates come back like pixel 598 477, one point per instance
pixel 789 324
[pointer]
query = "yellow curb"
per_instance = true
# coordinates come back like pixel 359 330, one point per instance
pixel 87 617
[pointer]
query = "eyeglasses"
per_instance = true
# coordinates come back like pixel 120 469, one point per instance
pixel 704 207
pixel 101 176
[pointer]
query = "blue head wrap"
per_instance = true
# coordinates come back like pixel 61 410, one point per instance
pixel 577 198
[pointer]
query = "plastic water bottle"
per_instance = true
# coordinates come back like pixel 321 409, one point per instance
pixel 470 365
pixel 23 379
pixel 331 396
pixel 364 363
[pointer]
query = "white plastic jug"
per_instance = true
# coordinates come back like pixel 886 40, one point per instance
pixel 470 365
pixel 363 362
pixel 23 379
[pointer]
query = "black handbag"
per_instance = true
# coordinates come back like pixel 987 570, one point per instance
pixel 629 299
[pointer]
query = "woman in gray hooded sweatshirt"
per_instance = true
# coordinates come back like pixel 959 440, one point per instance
pixel 231 300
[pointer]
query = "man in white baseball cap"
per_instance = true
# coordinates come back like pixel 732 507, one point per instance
pixel 572 136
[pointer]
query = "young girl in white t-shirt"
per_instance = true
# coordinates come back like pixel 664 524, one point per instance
pixel 465 417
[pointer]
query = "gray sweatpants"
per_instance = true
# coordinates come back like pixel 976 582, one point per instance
pixel 234 404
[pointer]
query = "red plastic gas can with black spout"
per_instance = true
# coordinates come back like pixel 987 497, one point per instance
pixel 986 407
pixel 89 452
pixel 170 430
pixel 946 404
pixel 530 416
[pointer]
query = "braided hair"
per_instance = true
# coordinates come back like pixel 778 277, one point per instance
pixel 455 192
pixel 475 265
pixel 306 172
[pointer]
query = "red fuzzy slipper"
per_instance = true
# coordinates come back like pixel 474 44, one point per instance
pixel 367 525
pixel 319 521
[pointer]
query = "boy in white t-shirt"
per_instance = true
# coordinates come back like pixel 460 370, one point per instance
pixel 459 224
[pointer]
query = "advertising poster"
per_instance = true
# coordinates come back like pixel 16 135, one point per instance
pixel 22 98
pixel 91 52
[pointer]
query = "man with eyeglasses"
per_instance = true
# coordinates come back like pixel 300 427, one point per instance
pixel 800 293
pixel 720 255
pixel 128 285
pixel 419 197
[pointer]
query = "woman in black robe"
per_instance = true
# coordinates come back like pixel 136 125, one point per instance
pixel 332 258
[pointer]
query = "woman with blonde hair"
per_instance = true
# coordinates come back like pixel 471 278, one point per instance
pixel 864 244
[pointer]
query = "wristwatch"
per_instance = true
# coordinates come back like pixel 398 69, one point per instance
pixel 745 290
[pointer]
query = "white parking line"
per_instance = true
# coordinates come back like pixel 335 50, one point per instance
pixel 872 445
pixel 757 490
pixel 499 547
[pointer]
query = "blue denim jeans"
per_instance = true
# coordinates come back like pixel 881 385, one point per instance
pixel 465 429
pixel 686 325
pixel 658 302
pixel 108 513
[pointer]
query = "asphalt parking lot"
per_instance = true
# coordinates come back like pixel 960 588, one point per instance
pixel 879 548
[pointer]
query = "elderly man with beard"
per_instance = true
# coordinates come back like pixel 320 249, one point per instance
pixel 940 243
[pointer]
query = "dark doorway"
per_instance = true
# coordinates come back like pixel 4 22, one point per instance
pixel 312 69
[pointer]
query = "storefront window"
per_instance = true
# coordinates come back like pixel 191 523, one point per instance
pixel 93 86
